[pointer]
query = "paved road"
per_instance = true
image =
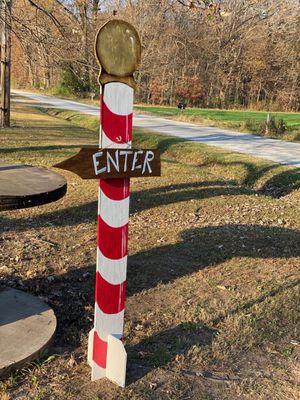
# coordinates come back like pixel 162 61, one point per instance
pixel 271 149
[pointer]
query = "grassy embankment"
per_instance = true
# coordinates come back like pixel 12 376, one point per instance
pixel 246 121
pixel 213 273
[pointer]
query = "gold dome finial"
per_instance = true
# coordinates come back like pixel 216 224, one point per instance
pixel 118 51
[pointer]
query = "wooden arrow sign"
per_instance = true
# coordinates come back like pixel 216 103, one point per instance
pixel 95 163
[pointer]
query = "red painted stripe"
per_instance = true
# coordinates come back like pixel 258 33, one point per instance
pixel 99 351
pixel 113 242
pixel 115 189
pixel 110 298
pixel 118 128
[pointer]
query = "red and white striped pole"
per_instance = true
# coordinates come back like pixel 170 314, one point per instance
pixel 106 353
pixel 112 242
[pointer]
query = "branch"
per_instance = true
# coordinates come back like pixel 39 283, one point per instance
pixel 48 14
pixel 69 12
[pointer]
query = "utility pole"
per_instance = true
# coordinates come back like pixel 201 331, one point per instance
pixel 5 62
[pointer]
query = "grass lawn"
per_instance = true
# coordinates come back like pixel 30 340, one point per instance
pixel 212 307
pixel 235 119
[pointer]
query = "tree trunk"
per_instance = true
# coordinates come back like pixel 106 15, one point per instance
pixel 5 62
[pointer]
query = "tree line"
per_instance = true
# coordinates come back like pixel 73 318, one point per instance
pixel 224 54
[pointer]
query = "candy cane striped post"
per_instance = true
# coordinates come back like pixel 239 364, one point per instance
pixel 112 242
pixel 118 50
pixel 106 352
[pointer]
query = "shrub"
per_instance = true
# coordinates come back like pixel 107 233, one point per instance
pixel 71 82
pixel 251 125
pixel 281 127
pixel 62 91
pixel 271 127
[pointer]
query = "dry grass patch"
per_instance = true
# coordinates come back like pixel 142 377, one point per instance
pixel 213 273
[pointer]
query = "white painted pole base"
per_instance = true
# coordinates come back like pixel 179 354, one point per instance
pixel 90 347
pixel 116 363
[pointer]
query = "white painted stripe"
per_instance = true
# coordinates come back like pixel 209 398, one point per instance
pixel 90 347
pixel 114 212
pixel 97 372
pixel 107 143
pixel 108 324
pixel 118 97
pixel 99 198
pixel 113 271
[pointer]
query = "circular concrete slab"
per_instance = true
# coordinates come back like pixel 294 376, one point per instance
pixel 23 186
pixel 27 326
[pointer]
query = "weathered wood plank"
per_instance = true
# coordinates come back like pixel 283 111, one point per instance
pixel 94 163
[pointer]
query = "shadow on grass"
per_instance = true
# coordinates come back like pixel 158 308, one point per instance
pixel 172 194
pixel 281 184
pixel 158 350
pixel 205 247
pixel 37 133
pixel 71 295
pixel 38 148
pixel 276 187
pixel 140 200
pixel 165 144
pixel 198 249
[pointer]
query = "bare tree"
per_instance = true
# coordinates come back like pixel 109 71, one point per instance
pixel 221 53
pixel 5 12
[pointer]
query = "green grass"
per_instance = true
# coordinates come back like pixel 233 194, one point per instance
pixel 235 116
pixel 236 119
